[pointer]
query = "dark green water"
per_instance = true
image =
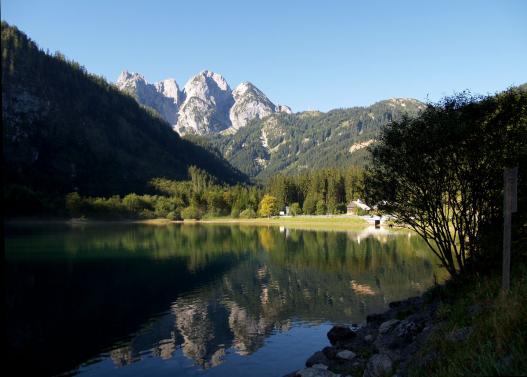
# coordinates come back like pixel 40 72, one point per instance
pixel 184 300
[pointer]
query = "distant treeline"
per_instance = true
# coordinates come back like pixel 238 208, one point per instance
pixel 319 192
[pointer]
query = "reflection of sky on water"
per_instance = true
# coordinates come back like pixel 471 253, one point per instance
pixel 268 304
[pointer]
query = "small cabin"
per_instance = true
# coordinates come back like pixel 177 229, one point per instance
pixel 352 207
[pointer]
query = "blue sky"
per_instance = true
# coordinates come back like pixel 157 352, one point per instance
pixel 305 54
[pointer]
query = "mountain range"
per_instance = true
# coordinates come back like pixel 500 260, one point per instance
pixel 258 137
pixel 204 106
pixel 293 143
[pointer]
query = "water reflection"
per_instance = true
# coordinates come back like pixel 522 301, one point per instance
pixel 200 292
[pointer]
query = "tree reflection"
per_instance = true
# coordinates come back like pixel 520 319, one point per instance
pixel 221 287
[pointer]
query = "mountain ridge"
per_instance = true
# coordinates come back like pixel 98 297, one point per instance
pixel 67 130
pixel 291 143
pixel 205 105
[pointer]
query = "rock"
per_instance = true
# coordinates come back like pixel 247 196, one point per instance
pixel 205 105
pixel 164 97
pixel 340 334
pixel 406 329
pixel 459 335
pixel 317 358
pixel 368 338
pixel 320 366
pixel 346 355
pixel 387 326
pixel 378 365
pixel 283 109
pixel 208 99
pixel 314 372
pixel 249 103
pixel 330 352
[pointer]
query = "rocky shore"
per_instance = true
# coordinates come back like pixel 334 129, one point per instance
pixel 383 346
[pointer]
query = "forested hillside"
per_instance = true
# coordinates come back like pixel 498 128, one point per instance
pixel 66 130
pixel 291 143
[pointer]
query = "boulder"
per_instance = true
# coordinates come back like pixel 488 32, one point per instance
pixel 330 352
pixel 387 326
pixel 315 372
pixel 346 355
pixel 340 334
pixel 406 329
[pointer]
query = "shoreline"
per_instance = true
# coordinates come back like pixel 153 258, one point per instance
pixel 384 345
pixel 337 220
pixel 303 222
pixel 464 326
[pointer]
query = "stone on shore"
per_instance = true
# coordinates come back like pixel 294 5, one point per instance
pixel 346 355
pixel 387 326
pixel 340 334
pixel 315 372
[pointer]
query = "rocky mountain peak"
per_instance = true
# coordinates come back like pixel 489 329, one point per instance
pixel 243 88
pixel 205 105
pixel 250 103
pixel 129 79
pixel 163 96
pixel 169 88
pixel 207 84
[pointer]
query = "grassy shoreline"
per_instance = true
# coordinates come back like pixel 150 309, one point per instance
pixel 335 222
pixel 340 223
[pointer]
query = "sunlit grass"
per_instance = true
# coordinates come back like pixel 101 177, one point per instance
pixel 497 344
pixel 301 222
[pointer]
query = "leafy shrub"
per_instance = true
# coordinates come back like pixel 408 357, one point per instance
pixel 248 213
pixel 191 213
pixel 295 209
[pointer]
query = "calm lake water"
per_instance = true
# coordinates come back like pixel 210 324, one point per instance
pixel 195 300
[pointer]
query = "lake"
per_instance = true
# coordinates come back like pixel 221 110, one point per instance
pixel 195 300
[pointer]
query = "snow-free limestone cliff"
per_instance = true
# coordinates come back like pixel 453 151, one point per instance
pixel 206 105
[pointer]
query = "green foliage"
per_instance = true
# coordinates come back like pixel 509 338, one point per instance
pixel 65 130
pixel 191 213
pixel 308 140
pixel 174 216
pixel 181 199
pixel 248 213
pixel 310 204
pixel 295 209
pixel 321 208
pixel 496 344
pixel 441 173
pixel 23 201
pixel 74 204
pixel 334 188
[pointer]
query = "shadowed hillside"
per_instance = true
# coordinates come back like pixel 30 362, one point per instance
pixel 66 130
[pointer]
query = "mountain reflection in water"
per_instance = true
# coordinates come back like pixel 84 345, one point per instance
pixel 133 293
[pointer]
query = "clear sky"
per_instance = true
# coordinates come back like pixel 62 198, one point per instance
pixel 305 54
